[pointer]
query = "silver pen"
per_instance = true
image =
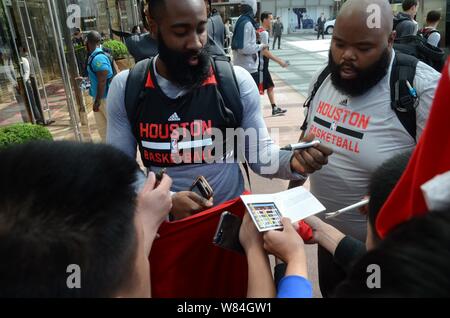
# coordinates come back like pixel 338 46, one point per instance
pixel 349 208
pixel 301 145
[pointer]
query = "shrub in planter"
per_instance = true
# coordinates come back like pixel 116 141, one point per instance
pixel 22 133
pixel 118 49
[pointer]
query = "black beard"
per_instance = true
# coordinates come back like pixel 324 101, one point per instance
pixel 365 79
pixel 178 68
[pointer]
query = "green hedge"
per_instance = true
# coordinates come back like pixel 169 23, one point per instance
pixel 118 49
pixel 21 133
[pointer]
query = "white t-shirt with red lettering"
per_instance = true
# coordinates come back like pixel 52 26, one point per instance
pixel 363 131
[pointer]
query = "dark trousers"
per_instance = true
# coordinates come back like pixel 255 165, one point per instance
pixel 319 32
pixel 35 100
pixel 275 37
pixel 330 274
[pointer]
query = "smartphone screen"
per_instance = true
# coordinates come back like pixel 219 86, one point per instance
pixel 227 233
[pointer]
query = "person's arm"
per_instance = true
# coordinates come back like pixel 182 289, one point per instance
pixel 250 46
pixel 263 156
pixel 260 281
pixel 288 246
pixel 425 83
pixel 150 215
pixel 269 55
pixel 324 234
pixel 102 79
pixel 345 249
pixel 153 215
pixel 121 34
pixel 119 131
pixel 101 67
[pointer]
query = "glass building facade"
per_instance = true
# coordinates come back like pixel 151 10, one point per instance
pixel 39 33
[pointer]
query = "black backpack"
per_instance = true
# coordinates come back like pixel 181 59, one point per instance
pixel 402 100
pixel 228 87
pixel 426 32
pixel 418 46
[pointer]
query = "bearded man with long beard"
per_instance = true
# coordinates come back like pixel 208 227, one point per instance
pixel 353 114
pixel 182 93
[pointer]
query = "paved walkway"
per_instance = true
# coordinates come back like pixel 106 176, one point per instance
pixel 306 55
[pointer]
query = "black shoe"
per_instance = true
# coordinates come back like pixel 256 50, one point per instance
pixel 278 111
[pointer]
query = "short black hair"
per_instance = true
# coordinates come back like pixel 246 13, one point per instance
pixel 382 181
pixel 265 15
pixel 408 4
pixel 413 260
pixel 66 203
pixel 93 37
pixel 433 16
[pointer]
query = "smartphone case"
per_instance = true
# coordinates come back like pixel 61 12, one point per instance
pixel 227 233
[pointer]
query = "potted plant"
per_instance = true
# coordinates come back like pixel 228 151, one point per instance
pixel 22 133
pixel 119 53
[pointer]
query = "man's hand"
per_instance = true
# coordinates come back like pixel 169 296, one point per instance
pixel 317 226
pixel 324 234
pixel 96 106
pixel 283 64
pixel 312 159
pixel 153 205
pixel 286 245
pixel 249 235
pixel 187 203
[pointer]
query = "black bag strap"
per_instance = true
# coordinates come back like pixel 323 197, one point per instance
pixel 404 99
pixel 316 87
pixel 228 88
pixel 135 91
pixel 111 62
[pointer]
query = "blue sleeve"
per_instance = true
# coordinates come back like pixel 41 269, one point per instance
pixel 101 63
pixel 294 287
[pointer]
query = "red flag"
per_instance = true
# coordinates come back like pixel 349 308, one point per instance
pixel 184 263
pixel 430 158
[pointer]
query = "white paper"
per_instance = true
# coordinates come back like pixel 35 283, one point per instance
pixel 267 210
pixel 437 192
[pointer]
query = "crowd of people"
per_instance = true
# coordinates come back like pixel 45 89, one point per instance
pixel 375 110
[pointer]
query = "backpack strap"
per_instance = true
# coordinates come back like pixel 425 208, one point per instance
pixel 135 90
pixel 229 90
pixel 404 99
pixel 316 87
pixel 91 59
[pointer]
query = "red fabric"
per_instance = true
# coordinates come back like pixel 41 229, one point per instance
pixel 149 83
pixel 305 231
pixel 211 80
pixel 431 157
pixel 185 263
